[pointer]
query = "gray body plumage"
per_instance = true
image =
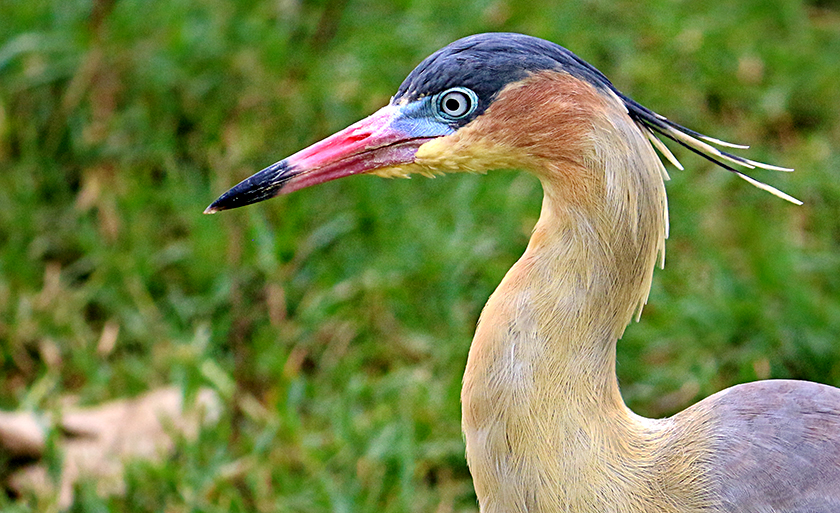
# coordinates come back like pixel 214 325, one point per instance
pixel 776 447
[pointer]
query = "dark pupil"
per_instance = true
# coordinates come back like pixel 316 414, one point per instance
pixel 453 104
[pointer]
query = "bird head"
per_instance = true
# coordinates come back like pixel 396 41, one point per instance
pixel 487 101
pixel 471 106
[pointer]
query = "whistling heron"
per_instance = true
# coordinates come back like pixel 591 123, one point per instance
pixel 545 425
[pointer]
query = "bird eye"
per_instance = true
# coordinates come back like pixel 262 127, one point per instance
pixel 456 103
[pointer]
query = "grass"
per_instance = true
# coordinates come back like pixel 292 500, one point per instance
pixel 335 322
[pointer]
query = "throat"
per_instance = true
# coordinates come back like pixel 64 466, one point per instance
pixel 544 351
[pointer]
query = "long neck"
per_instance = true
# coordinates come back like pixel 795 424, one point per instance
pixel 543 418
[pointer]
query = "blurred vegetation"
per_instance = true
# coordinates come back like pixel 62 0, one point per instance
pixel 335 322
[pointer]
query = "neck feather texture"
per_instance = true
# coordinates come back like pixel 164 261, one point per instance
pixel 545 425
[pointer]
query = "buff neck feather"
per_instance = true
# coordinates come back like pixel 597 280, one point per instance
pixel 545 425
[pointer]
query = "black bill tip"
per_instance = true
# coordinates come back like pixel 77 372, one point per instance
pixel 258 187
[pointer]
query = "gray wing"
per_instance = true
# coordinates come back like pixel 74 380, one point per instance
pixel 777 447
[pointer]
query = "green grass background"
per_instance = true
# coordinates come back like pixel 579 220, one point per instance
pixel 335 322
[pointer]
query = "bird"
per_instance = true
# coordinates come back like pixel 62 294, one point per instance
pixel 544 423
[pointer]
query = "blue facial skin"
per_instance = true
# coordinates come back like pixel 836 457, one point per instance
pixel 419 120
pixel 424 117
